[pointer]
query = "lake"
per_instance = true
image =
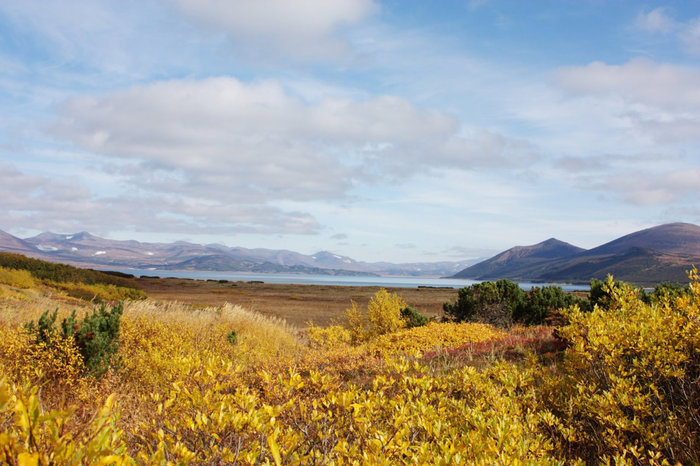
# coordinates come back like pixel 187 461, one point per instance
pixel 328 280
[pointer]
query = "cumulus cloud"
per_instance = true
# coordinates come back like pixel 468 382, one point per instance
pixel 216 143
pixel 302 28
pixel 657 107
pixel 257 141
pixel 639 179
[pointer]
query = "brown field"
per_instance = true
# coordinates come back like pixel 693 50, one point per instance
pixel 297 304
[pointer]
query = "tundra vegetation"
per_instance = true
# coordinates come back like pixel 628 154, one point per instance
pixel 614 382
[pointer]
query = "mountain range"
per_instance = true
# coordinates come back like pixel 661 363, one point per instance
pixel 84 249
pixel 646 257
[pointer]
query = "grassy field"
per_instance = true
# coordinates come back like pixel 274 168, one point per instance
pixel 297 304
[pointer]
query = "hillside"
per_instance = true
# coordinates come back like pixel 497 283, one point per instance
pixel 520 261
pixel 10 243
pixel 646 257
pixel 671 238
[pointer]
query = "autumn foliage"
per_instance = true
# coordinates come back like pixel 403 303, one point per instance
pixel 618 384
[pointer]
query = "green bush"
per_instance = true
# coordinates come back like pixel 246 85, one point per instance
pixel 96 336
pixel 504 302
pixel 489 302
pixel 540 303
pixel 412 317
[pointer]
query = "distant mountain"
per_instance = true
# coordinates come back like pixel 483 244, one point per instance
pixel 520 261
pixel 85 249
pixel 646 257
pixel 10 243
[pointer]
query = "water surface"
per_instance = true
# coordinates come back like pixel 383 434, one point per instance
pixel 328 280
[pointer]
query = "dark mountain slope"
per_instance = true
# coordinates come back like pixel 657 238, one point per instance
pixel 646 257
pixel 636 265
pixel 520 261
pixel 671 238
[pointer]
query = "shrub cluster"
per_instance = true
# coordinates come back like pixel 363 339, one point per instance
pixel 383 316
pixel 412 317
pixel 503 302
pixel 76 282
pixel 631 386
pixel 16 278
pixel 96 336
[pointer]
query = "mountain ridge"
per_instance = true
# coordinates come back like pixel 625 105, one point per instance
pixel 85 249
pixel 649 256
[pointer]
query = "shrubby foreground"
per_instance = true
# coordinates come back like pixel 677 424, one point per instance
pixel 620 384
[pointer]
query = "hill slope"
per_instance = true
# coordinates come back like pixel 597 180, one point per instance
pixel 11 243
pixel 520 261
pixel 646 257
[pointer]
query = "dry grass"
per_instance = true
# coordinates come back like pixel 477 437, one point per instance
pixel 297 304
pixel 18 306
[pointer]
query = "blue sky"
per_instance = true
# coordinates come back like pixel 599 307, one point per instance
pixel 383 130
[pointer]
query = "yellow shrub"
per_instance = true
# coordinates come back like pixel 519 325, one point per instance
pixel 16 278
pixel 355 323
pixel 434 336
pixel 633 373
pixel 56 362
pixel 384 312
pixel 383 316
pixel 32 436
pixel 330 337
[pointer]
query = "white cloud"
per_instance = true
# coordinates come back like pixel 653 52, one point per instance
pixel 302 28
pixel 661 188
pixel 222 137
pixel 656 21
pixel 659 21
pixel 690 36
pixel 657 101
pixel 638 81
pixel 41 203
pixel 223 152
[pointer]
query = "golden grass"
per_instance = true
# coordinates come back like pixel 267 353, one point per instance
pixel 16 278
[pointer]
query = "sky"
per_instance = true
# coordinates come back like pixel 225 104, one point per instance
pixel 397 130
